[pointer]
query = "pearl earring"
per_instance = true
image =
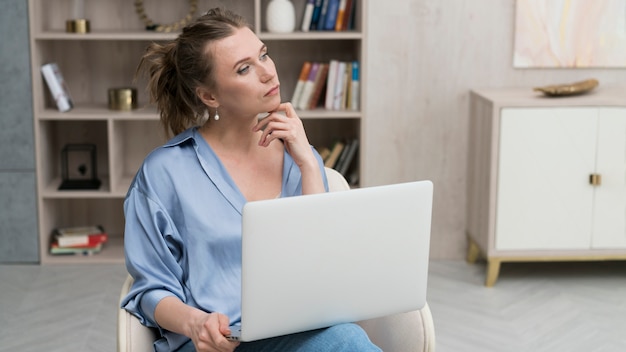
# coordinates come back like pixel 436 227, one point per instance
pixel 217 116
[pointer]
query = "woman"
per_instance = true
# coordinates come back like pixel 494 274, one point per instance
pixel 183 209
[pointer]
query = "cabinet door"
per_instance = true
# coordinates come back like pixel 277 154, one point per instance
pixel 609 221
pixel 544 199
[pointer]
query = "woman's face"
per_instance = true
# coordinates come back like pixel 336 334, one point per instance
pixel 246 79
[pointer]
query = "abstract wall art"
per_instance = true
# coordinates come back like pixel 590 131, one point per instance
pixel 570 33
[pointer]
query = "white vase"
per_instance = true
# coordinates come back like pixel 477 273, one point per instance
pixel 280 16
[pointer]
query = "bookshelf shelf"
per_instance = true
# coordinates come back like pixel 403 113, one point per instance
pixel 51 191
pixel 107 57
pixel 313 35
pixel 328 114
pixel 87 113
pixel 108 255
pixel 98 112
pixel 146 36
pixel 105 35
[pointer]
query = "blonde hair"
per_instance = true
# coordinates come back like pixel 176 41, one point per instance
pixel 175 69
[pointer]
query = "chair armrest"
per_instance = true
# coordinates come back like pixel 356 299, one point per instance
pixel 412 331
pixel 336 181
pixel 132 336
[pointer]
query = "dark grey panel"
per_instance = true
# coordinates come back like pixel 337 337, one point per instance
pixel 19 241
pixel 16 113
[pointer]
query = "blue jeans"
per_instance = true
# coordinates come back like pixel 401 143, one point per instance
pixel 338 338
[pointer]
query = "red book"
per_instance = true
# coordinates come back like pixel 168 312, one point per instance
pixel 87 241
pixel 80 236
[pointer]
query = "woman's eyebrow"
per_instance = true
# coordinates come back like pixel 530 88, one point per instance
pixel 263 47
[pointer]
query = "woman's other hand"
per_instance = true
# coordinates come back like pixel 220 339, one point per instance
pixel 208 333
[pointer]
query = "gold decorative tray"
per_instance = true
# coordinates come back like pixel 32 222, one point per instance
pixel 568 89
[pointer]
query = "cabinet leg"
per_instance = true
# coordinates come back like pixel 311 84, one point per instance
pixel 473 252
pixel 493 270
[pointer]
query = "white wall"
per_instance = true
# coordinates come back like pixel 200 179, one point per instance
pixel 423 58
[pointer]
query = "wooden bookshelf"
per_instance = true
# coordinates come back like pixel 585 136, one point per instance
pixel 106 57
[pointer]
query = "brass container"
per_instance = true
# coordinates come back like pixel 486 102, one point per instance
pixel 124 99
pixel 77 26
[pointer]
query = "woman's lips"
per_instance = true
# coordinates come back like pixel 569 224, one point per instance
pixel 272 91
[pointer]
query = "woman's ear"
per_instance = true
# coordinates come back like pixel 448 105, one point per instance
pixel 207 97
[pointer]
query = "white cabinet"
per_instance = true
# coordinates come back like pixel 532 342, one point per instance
pixel 546 177
pixel 609 216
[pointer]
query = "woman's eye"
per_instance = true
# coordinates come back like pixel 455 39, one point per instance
pixel 243 70
pixel 264 56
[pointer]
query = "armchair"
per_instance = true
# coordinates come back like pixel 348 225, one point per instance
pixel 412 331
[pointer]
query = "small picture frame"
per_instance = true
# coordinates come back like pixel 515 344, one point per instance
pixel 78 167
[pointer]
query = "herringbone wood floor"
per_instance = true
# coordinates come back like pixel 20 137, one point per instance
pixel 549 307
pixel 533 307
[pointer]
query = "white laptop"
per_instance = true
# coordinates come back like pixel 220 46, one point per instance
pixel 317 260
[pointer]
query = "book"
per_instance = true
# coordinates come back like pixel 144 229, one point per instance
pixel 56 84
pixel 330 83
pixel 78 230
pixel 347 85
pixel 339 86
pixel 340 22
pixel 324 152
pixel 323 13
pixel 307 89
pixel 86 250
pixel 347 80
pixel 353 177
pixel 355 86
pixel 302 78
pixel 335 152
pixel 90 240
pixel 331 15
pixel 79 236
pixel 318 88
pixel 344 166
pixel 308 15
pixel 315 17
pixel 350 15
pixel 342 156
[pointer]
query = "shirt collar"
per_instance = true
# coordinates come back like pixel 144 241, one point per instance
pixel 220 177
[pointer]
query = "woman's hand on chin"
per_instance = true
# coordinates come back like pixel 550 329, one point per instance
pixel 285 124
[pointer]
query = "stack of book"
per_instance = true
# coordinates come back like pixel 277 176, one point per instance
pixel 333 85
pixel 341 156
pixel 342 91
pixel 328 15
pixel 85 240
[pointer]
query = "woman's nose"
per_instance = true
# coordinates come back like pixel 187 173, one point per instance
pixel 267 73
